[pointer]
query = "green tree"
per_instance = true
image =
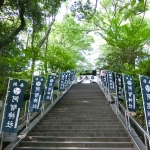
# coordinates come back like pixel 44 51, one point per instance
pixel 67 38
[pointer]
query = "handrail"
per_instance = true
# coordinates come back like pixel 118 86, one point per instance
pixel 145 135
pixel 138 125
pixel 36 120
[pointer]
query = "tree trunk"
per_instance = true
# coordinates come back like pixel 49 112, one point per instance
pixel 45 54
pixel 1 3
pixel 33 53
pixel 16 31
pixel 47 33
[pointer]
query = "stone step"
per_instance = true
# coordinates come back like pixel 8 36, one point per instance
pixel 86 139
pixel 99 127
pixel 74 120
pixel 78 134
pixel 76 144
pixel 69 148
pixel 72 111
pixel 77 116
pixel 77 123
pixel 78 130
pixel 96 139
pixel 100 122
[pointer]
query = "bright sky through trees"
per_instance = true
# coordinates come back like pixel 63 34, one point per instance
pixel 91 56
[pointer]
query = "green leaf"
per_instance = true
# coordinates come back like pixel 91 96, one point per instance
pixel 121 9
pixel 126 16
pixel 133 2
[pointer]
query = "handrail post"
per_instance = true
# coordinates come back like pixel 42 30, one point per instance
pixel 52 98
pixel 42 108
pixel 1 146
pixel 25 109
pixel 127 117
pixel 146 143
pixel 117 106
pixel 28 119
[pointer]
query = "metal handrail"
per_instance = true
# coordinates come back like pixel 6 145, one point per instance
pixel 145 136
pixel 37 119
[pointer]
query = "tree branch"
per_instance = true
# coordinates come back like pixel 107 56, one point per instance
pixel 94 10
pixel 47 33
pixel 1 3
pixel 15 32
pixel 142 17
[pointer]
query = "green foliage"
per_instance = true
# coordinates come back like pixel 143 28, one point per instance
pixel 144 68
pixel 59 59
pixel 133 8
pixel 3 87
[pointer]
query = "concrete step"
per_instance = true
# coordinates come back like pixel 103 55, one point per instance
pixel 96 127
pixel 83 139
pixel 81 123
pixel 69 148
pixel 78 134
pixel 80 120
pixel 76 144
pixel 78 130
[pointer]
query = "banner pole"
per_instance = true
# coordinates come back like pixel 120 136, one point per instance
pixel 2 133
pixel 42 107
pixel 5 101
pixel 2 136
pixel 52 98
pixel 28 115
pixel 116 99
pixel 106 92
pixel 127 110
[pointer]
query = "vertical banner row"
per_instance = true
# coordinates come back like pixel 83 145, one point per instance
pixel 36 93
pixel 13 105
pixel 15 94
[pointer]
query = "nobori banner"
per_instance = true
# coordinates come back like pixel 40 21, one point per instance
pixel 119 86
pixel 36 93
pixel 72 75
pixel 110 80
pixel 66 81
pixel 130 92
pixel 49 88
pixel 145 90
pixel 13 105
pixel 62 81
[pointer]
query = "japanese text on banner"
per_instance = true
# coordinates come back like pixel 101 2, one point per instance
pixel 13 105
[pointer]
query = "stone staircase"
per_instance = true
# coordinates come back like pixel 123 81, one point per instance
pixel 82 119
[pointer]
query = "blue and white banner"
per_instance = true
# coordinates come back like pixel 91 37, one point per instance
pixel 61 86
pixel 36 93
pixel 68 77
pixel 110 80
pixel 66 80
pixel 119 86
pixel 72 75
pixel 13 105
pixel 49 87
pixel 145 90
pixel 130 92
